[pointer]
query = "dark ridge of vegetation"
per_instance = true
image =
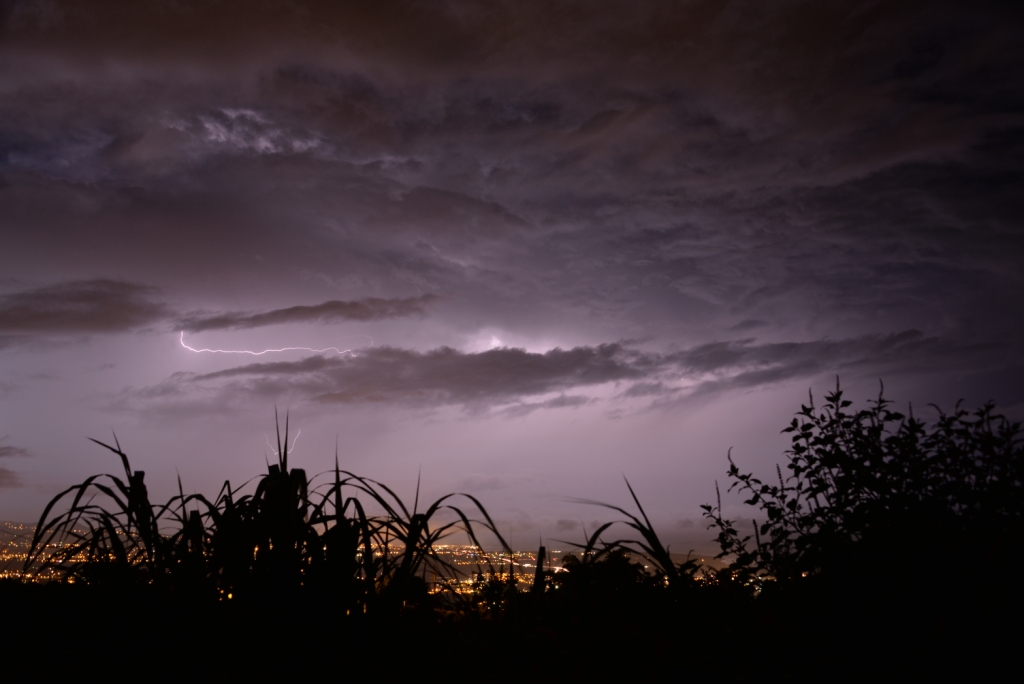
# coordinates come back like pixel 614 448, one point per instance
pixel 886 548
pixel 876 485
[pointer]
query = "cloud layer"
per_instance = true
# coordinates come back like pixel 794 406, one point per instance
pixel 515 382
pixel 674 169
pixel 117 306
pixel 92 306
pixel 9 478
pixel 372 309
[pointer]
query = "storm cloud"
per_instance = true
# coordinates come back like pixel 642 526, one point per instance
pixel 92 306
pixel 9 451
pixel 115 306
pixel 517 380
pixel 9 478
pixel 704 165
pixel 372 309
pixel 680 168
pixel 438 377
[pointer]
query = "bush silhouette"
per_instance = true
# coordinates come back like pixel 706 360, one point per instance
pixel 871 489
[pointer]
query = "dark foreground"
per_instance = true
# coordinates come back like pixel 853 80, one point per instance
pixel 712 633
pixel 890 550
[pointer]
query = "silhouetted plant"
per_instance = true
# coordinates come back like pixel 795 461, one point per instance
pixel 122 539
pixel 416 532
pixel 610 571
pixel 287 534
pixel 877 484
pixel 648 546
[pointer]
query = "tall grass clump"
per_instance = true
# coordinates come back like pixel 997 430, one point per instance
pixel 351 538
pixel 642 541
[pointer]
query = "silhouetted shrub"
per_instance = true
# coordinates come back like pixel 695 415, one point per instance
pixel 876 493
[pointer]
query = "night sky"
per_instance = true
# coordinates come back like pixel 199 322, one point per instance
pixel 555 243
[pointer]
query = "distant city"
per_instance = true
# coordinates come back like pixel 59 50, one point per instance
pixel 16 542
pixel 468 559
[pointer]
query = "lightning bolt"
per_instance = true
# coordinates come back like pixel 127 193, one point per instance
pixel 290 449
pixel 181 339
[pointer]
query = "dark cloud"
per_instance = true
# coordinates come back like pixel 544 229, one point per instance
pixel 748 324
pixel 482 483
pixel 113 306
pixel 514 381
pixel 372 309
pixel 649 389
pixel 8 451
pixel 743 364
pixel 439 377
pixel 561 401
pixel 91 306
pixel 684 167
pixel 797 356
pixel 566 525
pixel 9 479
